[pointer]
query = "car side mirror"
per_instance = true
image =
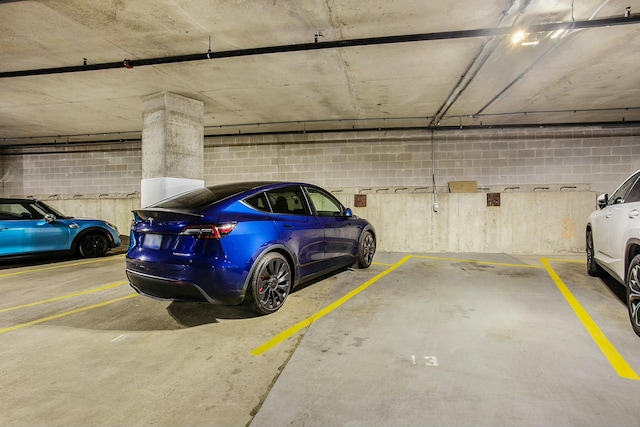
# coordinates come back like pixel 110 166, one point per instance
pixel 348 213
pixel 603 199
pixel 50 218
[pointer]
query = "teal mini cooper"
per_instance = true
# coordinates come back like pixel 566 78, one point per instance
pixel 31 227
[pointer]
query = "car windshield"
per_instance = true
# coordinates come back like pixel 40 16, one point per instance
pixel 42 206
pixel 203 197
pixel 620 194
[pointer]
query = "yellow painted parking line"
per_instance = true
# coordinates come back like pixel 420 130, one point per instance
pixel 66 313
pixel 499 264
pixel 89 291
pixel 55 267
pixel 577 261
pixel 615 358
pixel 309 320
pixel 386 264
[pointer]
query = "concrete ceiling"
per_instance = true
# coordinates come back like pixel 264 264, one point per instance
pixel 448 76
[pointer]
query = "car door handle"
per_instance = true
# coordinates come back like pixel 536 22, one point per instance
pixel 287 225
pixel 608 215
pixel 634 214
pixel 3 228
pixel 328 226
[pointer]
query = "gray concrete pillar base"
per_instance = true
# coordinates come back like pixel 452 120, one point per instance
pixel 155 189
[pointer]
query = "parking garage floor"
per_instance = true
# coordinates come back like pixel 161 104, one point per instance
pixel 417 339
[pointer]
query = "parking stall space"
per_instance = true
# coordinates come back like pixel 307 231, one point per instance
pixel 416 339
pixel 80 347
pixel 466 340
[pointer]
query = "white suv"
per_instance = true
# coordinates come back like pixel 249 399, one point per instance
pixel 613 241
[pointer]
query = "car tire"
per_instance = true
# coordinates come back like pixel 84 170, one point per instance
pixel 633 293
pixel 366 249
pixel 269 285
pixel 93 245
pixel 593 269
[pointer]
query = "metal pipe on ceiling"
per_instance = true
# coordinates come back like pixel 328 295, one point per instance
pixel 484 53
pixel 44 141
pixel 535 63
pixel 372 123
pixel 371 41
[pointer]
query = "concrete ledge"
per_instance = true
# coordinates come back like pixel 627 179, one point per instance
pixel 537 222
pixel 525 222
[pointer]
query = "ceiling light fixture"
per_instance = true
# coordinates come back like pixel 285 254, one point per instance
pixel 525 39
pixel 518 37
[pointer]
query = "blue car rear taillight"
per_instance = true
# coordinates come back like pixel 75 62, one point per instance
pixel 209 231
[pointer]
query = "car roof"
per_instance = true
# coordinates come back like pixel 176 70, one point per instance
pixel 13 200
pixel 255 185
pixel 244 186
pixel 249 187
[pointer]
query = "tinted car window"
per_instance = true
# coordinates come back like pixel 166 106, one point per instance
pixel 620 195
pixel 324 203
pixel 203 197
pixel 634 194
pixel 12 211
pixel 288 200
pixel 259 201
pixel 195 199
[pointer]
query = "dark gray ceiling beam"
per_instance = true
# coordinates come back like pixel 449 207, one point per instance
pixel 444 35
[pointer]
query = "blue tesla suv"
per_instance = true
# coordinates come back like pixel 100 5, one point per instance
pixel 249 242
pixel 30 227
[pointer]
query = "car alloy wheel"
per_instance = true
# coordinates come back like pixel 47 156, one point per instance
pixel 93 245
pixel 270 284
pixel 367 250
pixel 633 293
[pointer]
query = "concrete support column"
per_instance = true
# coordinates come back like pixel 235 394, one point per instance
pixel 172 146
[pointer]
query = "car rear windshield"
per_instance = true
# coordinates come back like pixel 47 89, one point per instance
pixel 200 198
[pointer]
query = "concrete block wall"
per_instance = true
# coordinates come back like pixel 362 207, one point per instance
pixel 598 158
pixel 104 179
pixel 72 170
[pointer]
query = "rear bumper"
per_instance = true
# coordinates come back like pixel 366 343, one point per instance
pixel 210 285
